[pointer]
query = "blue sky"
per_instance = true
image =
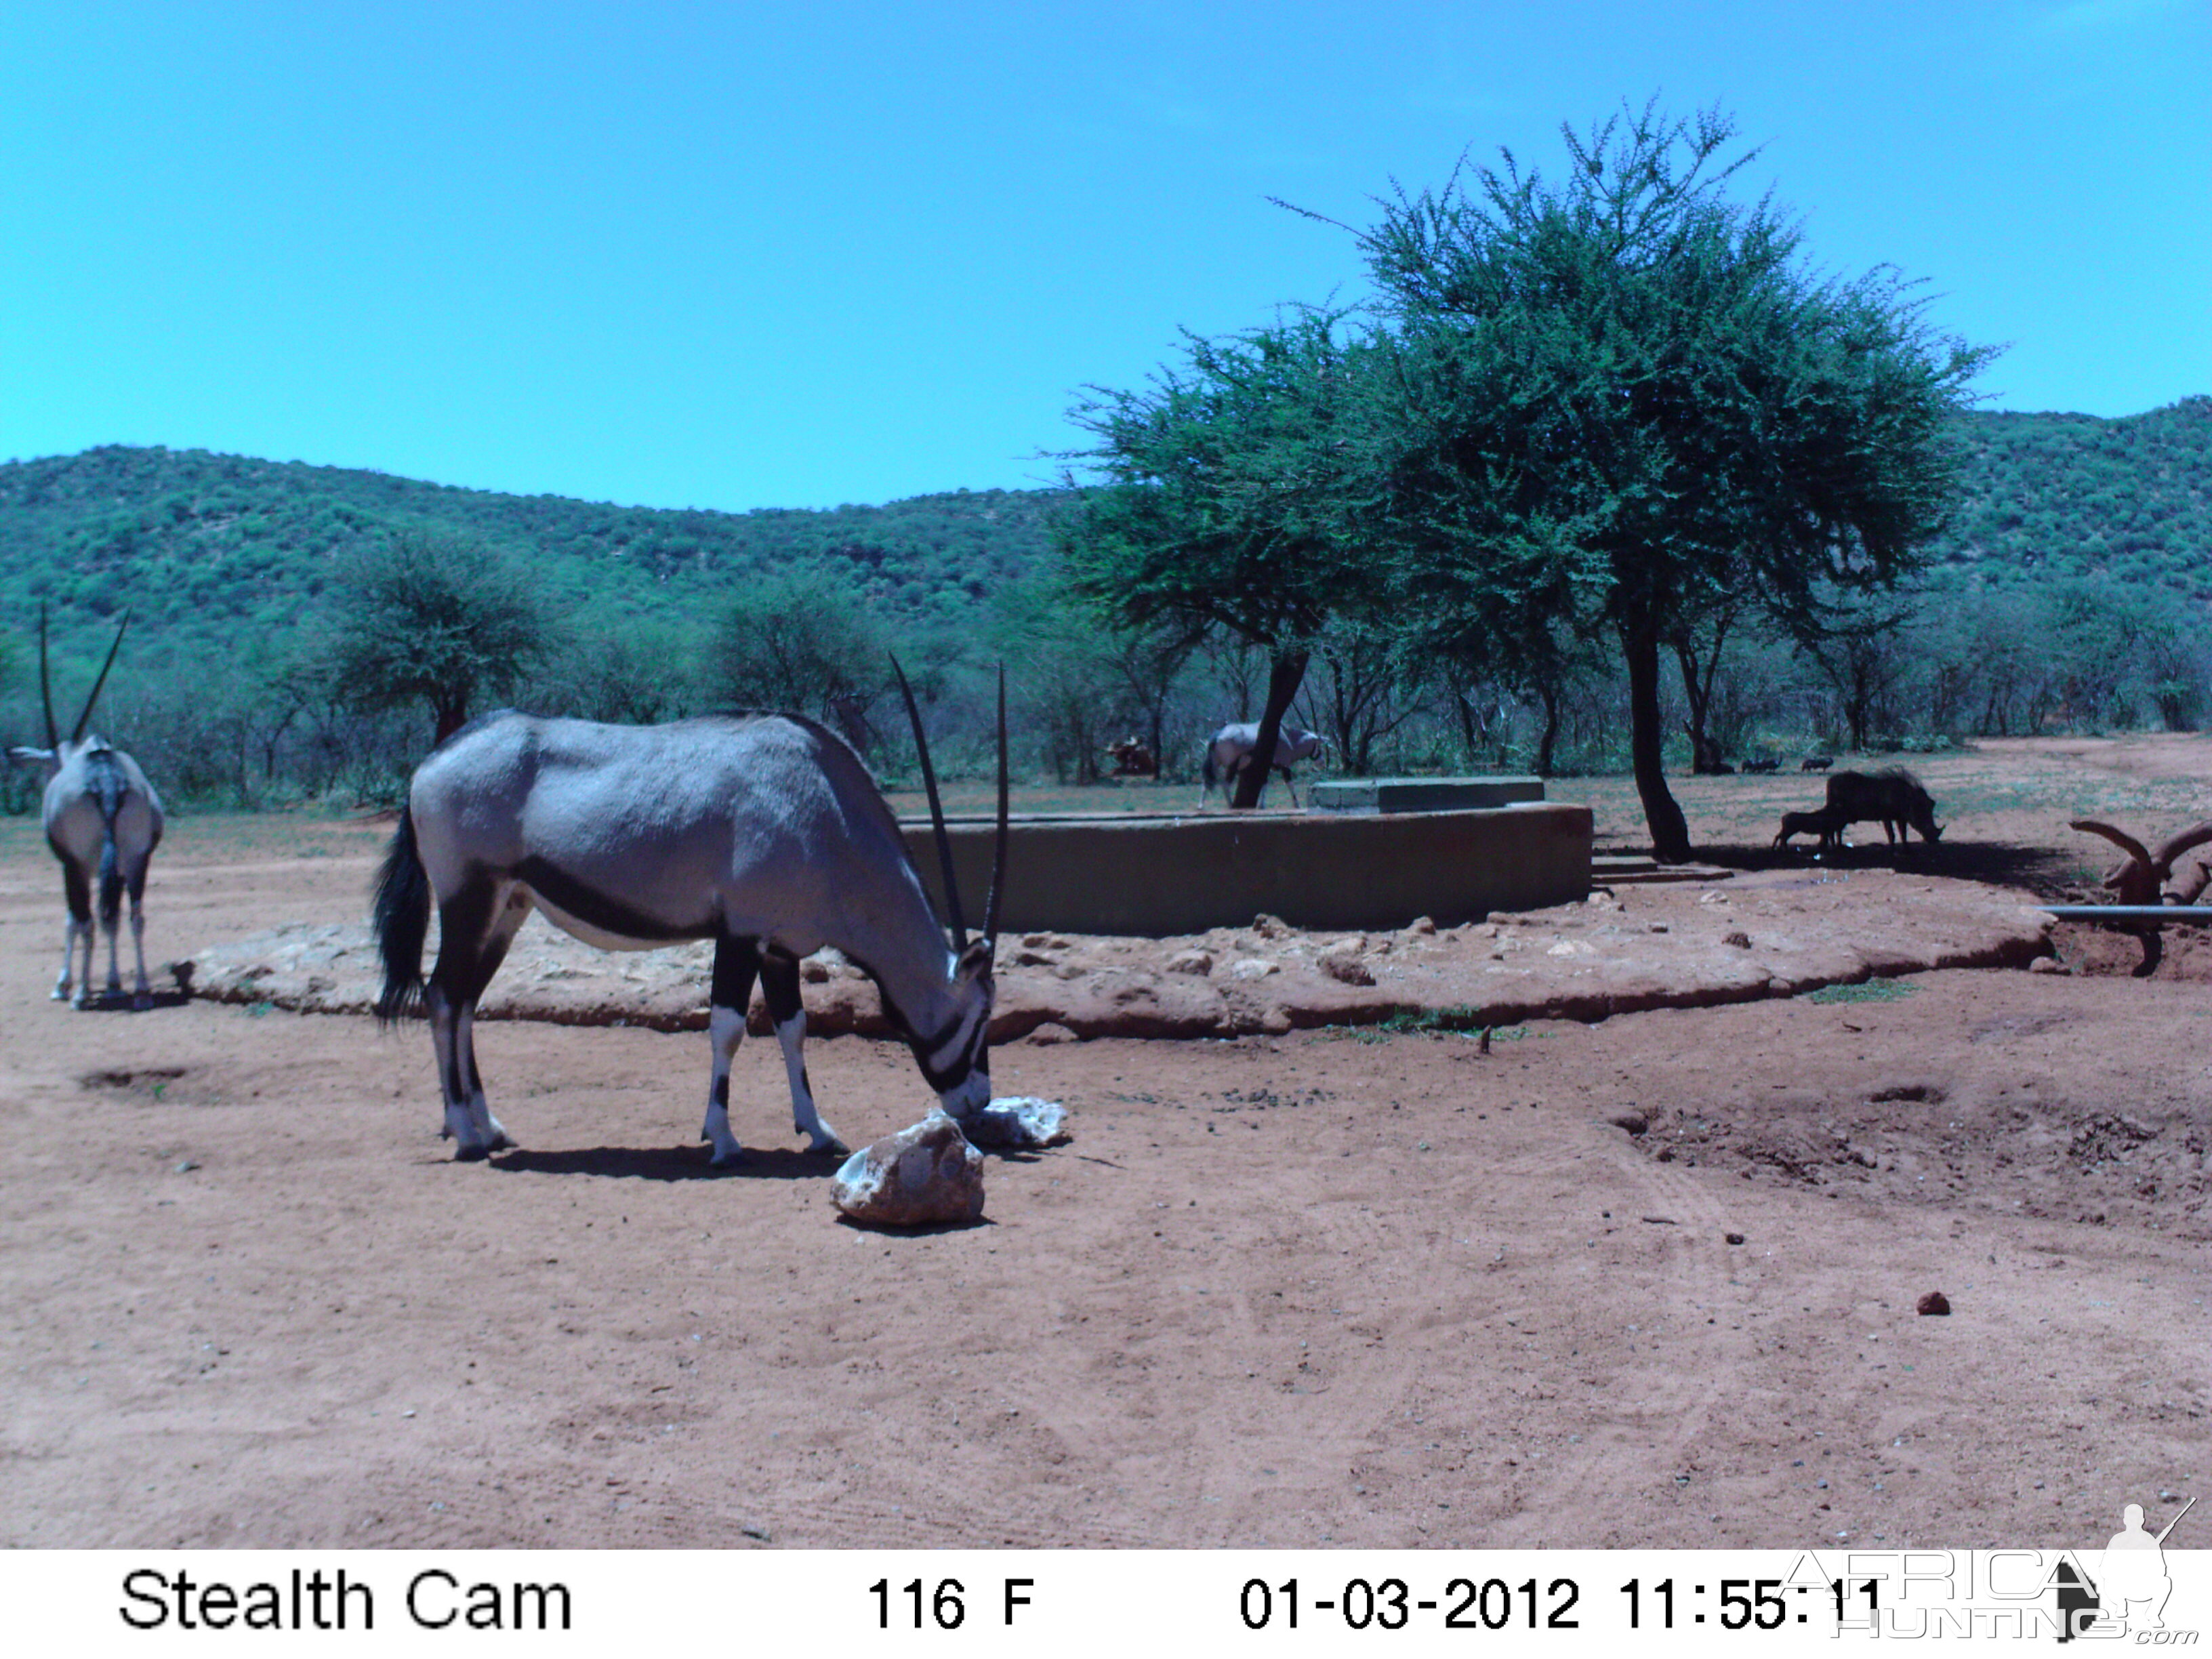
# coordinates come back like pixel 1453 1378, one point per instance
pixel 763 255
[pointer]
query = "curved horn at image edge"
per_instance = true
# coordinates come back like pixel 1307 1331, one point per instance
pixel 999 844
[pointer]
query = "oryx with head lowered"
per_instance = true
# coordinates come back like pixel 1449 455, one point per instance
pixel 764 833
pixel 103 821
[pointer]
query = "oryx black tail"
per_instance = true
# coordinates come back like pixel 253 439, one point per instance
pixel 402 918
pixel 108 786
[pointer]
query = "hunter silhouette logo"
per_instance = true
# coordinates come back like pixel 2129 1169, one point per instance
pixel 2131 1584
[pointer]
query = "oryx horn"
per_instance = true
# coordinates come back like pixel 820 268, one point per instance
pixel 46 683
pixel 936 812
pixel 85 719
pixel 998 847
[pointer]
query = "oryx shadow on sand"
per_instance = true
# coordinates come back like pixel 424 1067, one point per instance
pixel 679 1163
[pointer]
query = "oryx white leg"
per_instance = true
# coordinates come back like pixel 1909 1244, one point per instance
pixel 144 998
pixel 485 1130
pixel 87 934
pixel 114 926
pixel 474 928
pixel 725 1029
pixel 779 986
pixel 62 982
pixel 736 961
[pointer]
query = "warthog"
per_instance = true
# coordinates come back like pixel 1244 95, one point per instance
pixel 1816 762
pixel 1765 765
pixel 1824 823
pixel 1892 794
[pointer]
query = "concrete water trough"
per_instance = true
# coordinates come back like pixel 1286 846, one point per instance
pixel 1162 875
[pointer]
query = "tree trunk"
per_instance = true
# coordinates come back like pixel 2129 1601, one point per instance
pixel 1285 675
pixel 1548 693
pixel 1670 830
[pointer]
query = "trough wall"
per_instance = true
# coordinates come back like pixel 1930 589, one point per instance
pixel 1157 877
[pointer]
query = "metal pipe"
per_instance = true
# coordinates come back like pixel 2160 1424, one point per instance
pixel 2196 915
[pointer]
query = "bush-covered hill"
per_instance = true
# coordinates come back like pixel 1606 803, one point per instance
pixel 211 551
pixel 2051 497
pixel 207 550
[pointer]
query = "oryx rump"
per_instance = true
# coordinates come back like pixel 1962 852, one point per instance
pixel 764 833
pixel 1228 755
pixel 103 822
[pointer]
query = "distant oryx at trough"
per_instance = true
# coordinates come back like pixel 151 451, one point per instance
pixel 103 820
pixel 764 833
pixel 1230 755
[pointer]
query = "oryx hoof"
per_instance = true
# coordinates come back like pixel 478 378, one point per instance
pixel 59 993
pixel 142 1001
pixel 471 1153
pixel 728 1159
pixel 830 1144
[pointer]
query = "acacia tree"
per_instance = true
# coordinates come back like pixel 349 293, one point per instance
pixel 1623 402
pixel 432 619
pixel 1233 500
pixel 801 641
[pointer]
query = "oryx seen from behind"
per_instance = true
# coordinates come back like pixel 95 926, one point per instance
pixel 103 821
pixel 764 833
pixel 1230 755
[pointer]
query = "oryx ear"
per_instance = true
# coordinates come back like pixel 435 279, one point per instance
pixel 975 963
pixel 30 757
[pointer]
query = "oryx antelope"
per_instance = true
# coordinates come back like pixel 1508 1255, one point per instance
pixel 1230 755
pixel 764 833
pixel 103 821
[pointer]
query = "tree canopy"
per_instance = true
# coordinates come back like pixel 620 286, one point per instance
pixel 435 620
pixel 1623 400
pixel 1238 496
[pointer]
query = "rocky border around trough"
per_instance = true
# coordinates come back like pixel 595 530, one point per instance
pixel 1773 935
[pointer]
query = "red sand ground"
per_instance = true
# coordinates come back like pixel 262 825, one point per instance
pixel 1326 1287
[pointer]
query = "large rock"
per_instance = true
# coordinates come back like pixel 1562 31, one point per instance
pixel 921 1176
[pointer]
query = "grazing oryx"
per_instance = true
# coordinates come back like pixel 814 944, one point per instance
pixel 764 833
pixel 103 820
pixel 1229 754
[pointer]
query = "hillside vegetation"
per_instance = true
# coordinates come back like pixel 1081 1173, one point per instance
pixel 206 549
pixel 203 548
pixel 2070 592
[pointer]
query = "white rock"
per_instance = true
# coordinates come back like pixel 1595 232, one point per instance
pixel 928 1173
pixel 1020 1120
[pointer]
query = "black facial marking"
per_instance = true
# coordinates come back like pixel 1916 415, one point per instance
pixel 596 909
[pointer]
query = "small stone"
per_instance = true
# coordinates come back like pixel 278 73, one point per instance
pixel 1734 1238
pixel 187 1166
pixel 1252 967
pixel 1658 926
pixel 1191 962
pixel 1267 927
pixel 1344 966
pixel 1934 1302
pixel 1741 940
pixel 813 971
pixel 926 1174
pixel 1032 958
pixel 1422 924
pixel 1033 940
pixel 1046 1035
pixel 1276 1022
pixel 2048 965
pixel 1635 1122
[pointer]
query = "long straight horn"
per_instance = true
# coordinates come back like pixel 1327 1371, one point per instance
pixel 936 812
pixel 46 683
pixel 999 848
pixel 85 719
